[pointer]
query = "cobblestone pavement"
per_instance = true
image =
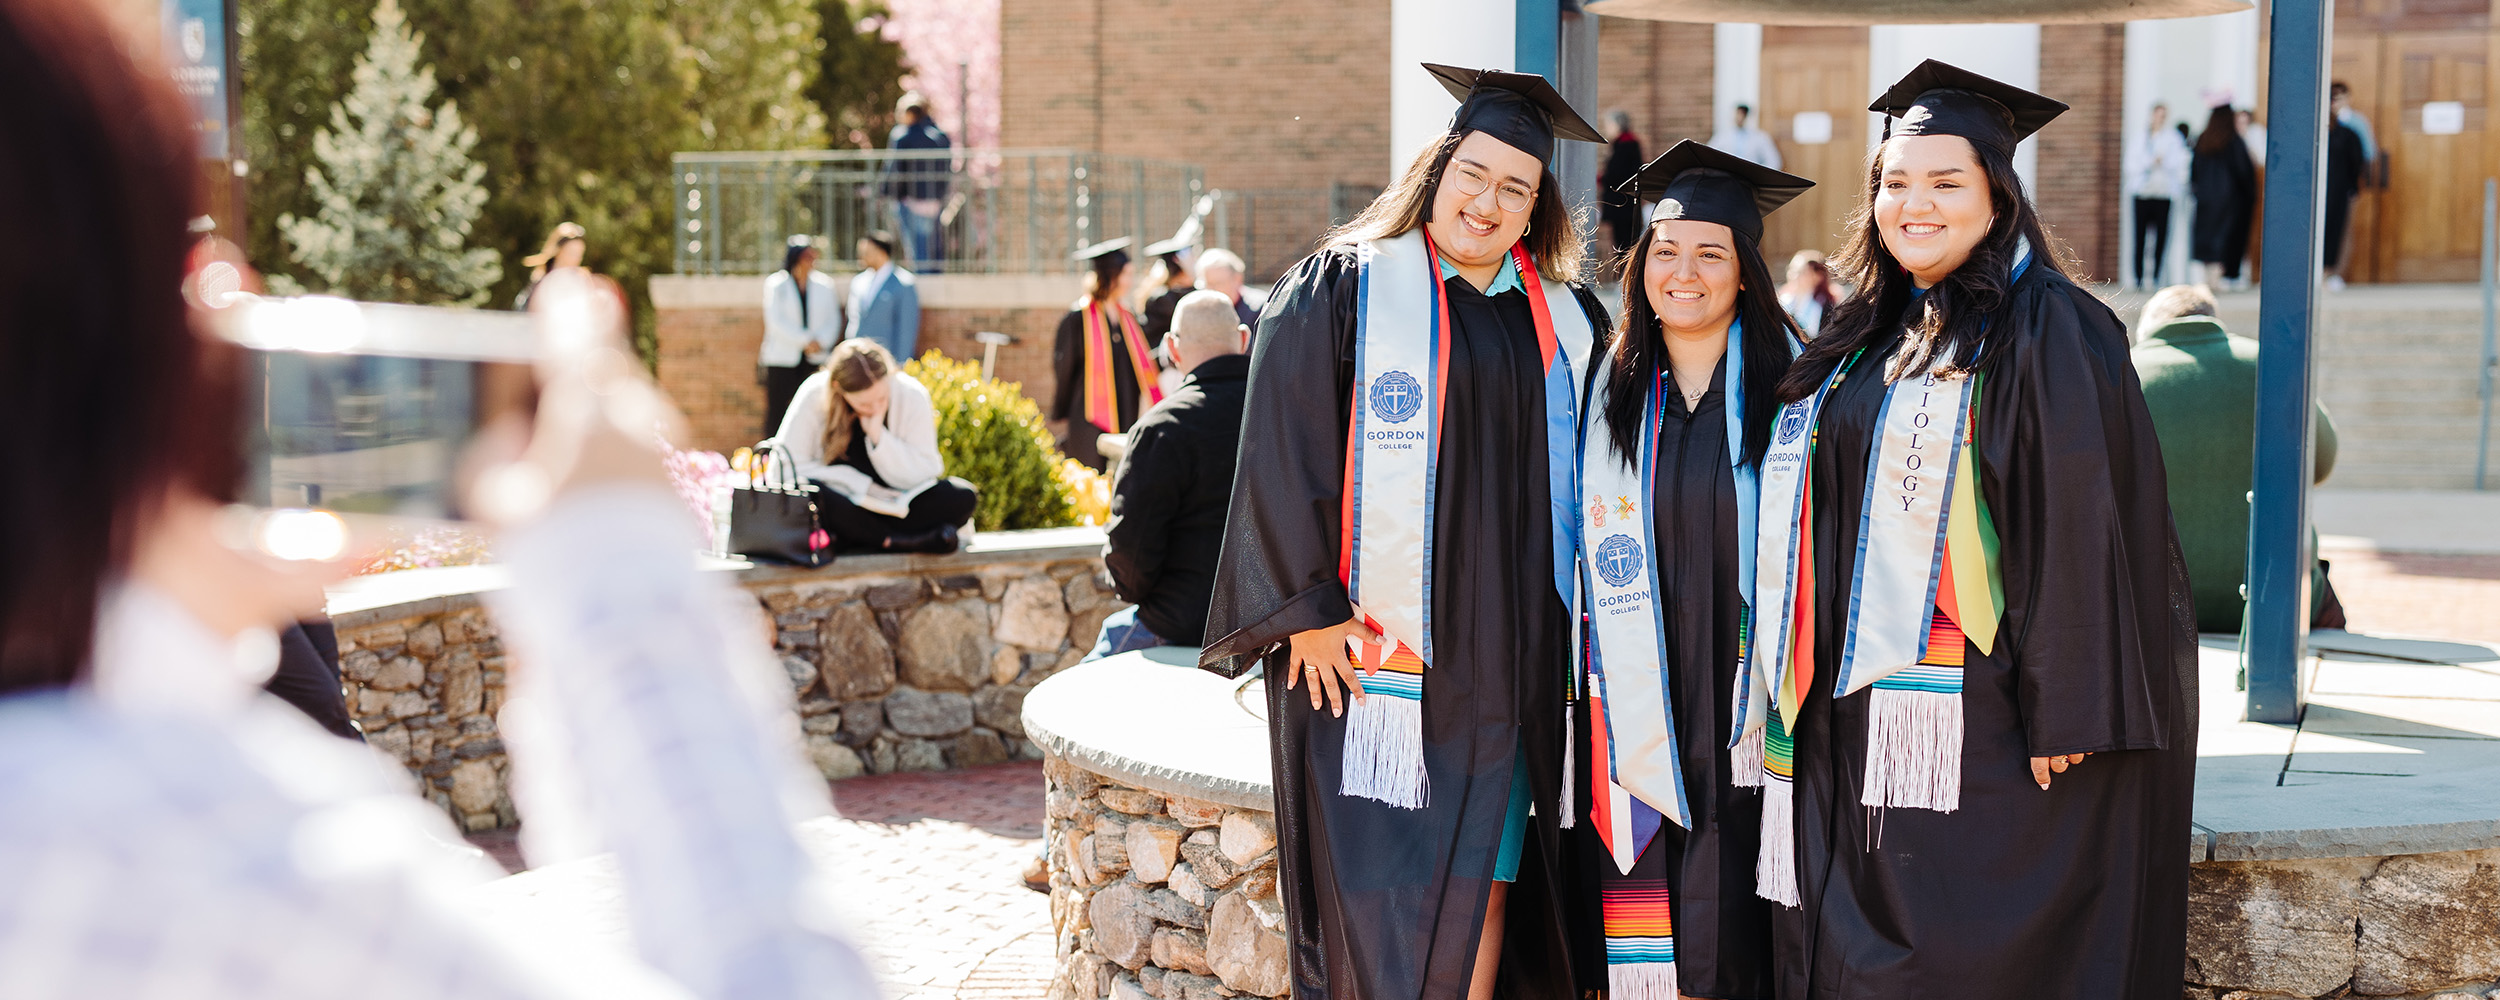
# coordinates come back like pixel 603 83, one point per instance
pixel 930 869
pixel 935 863
pixel 2418 594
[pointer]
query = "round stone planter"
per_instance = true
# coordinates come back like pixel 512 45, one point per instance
pixel 1162 839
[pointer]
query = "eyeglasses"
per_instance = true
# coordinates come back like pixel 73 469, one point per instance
pixel 1471 182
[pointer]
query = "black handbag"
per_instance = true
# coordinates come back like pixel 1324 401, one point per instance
pixel 773 516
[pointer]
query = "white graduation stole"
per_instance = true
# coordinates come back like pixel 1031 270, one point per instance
pixel 1631 705
pixel 1402 337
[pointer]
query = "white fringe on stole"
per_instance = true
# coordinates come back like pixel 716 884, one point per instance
pixel 1384 752
pixel 1775 870
pixel 1570 816
pixel 1745 771
pixel 1641 981
pixel 1914 750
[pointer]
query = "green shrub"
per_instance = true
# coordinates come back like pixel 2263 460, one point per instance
pixel 993 436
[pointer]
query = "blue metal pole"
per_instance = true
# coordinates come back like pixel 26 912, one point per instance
pixel 2279 543
pixel 1536 37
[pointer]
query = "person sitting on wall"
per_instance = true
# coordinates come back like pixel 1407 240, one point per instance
pixel 1167 505
pixel 2200 382
pixel 867 434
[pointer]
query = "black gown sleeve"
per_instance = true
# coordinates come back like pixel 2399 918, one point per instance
pixel 1278 572
pixel 1067 361
pixel 2074 482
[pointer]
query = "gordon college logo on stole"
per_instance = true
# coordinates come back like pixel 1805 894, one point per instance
pixel 1397 397
pixel 1792 422
pixel 1618 560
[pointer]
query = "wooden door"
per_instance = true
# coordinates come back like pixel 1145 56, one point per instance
pixel 2433 206
pixel 2398 56
pixel 1808 70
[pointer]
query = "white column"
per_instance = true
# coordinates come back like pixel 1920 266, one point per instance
pixel 1473 33
pixel 2006 52
pixel 1736 73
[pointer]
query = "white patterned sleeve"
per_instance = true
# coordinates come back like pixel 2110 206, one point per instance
pixel 649 719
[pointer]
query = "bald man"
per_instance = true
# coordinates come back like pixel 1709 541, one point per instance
pixel 1167 503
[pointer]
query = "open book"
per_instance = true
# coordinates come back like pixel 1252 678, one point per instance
pixel 875 497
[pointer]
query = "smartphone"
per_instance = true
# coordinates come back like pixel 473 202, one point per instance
pixel 364 410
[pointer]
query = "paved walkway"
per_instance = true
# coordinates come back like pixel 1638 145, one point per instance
pixel 928 869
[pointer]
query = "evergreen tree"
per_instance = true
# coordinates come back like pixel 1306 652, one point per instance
pixel 393 186
pixel 859 72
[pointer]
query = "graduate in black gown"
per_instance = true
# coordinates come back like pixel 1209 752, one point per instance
pixel 1169 283
pixel 1104 363
pixel 2047 860
pixel 1459 888
pixel 1682 411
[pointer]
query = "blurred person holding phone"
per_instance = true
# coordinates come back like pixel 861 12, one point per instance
pixel 164 829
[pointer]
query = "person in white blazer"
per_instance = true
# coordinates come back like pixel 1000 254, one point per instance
pixel 798 328
pixel 867 433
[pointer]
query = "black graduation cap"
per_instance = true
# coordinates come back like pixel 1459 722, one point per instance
pixel 1522 109
pixel 1693 181
pixel 1167 247
pixel 1101 255
pixel 1943 99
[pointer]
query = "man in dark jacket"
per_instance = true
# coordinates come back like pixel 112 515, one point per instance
pixel 918 184
pixel 1168 500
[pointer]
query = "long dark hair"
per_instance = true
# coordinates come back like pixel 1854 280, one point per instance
pixel 2222 126
pixel 1952 312
pixel 1641 351
pixel 108 396
pixel 1553 236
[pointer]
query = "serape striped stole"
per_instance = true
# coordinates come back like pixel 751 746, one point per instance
pixel 1102 392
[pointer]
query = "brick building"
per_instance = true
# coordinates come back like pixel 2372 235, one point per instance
pixel 1297 99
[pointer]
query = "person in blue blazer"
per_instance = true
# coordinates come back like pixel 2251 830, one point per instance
pixel 885 298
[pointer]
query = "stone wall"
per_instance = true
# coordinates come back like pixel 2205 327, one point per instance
pixel 1160 895
pixel 929 673
pixel 424 682
pixel 895 663
pixel 2406 925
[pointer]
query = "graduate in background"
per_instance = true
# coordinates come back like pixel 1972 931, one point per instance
pixel 1166 286
pixel 1104 362
pixel 1443 333
pixel 1678 418
pixel 1974 627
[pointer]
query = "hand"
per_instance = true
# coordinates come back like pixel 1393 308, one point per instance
pixel 1319 656
pixel 874 427
pixel 2042 767
pixel 599 418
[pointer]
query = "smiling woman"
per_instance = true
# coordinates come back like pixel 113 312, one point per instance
pixel 1411 409
pixel 1686 397
pixel 1965 485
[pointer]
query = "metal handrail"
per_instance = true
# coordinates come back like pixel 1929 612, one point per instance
pixel 996 210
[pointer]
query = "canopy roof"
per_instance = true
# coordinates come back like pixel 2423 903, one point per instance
pixel 1854 12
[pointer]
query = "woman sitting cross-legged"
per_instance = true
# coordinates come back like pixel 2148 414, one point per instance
pixel 866 432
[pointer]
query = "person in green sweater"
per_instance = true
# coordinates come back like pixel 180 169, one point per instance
pixel 2200 382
